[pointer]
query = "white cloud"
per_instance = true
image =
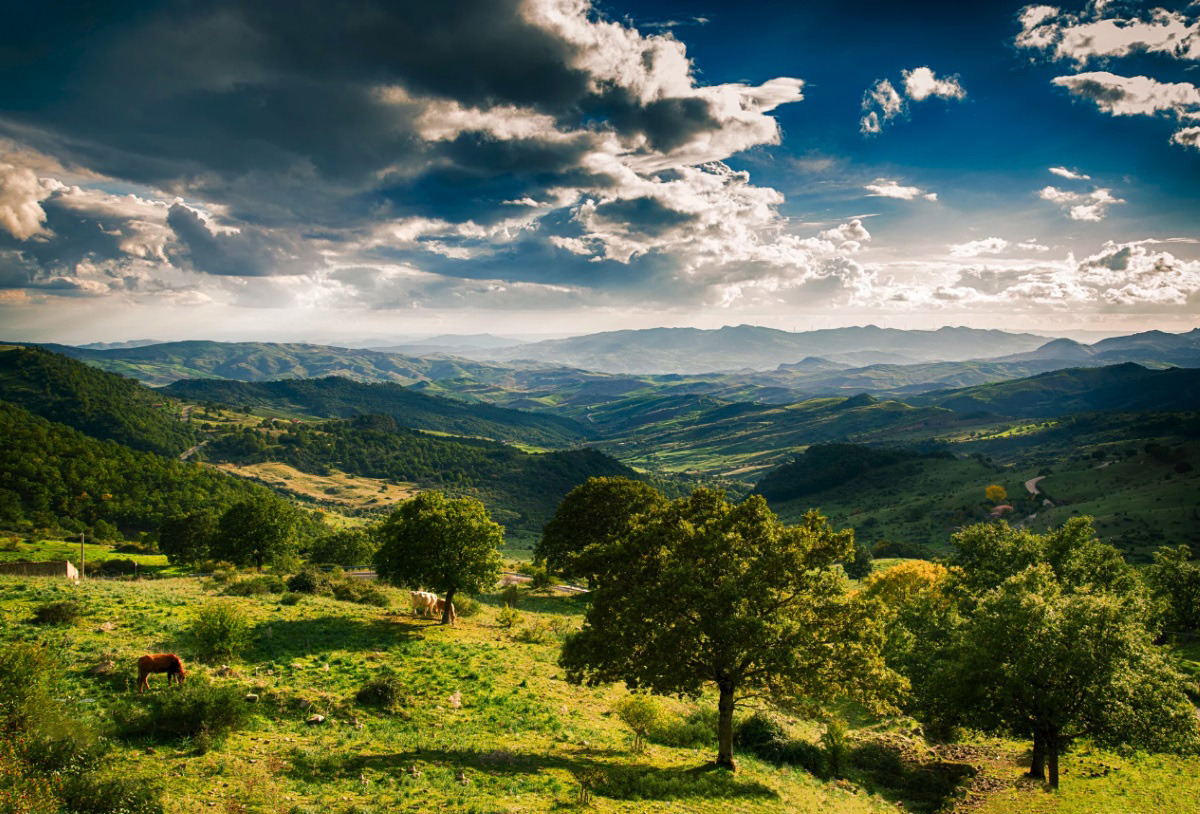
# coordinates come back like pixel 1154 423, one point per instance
pixel 1072 175
pixel 1187 137
pixel 1134 95
pixel 882 102
pixel 1096 35
pixel 888 188
pixel 921 83
pixel 21 193
pixel 1085 206
pixel 974 248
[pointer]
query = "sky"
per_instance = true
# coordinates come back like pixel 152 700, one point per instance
pixel 316 171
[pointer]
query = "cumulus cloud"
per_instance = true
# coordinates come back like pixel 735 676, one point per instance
pixel 974 248
pixel 1070 174
pixel 1187 137
pixel 250 252
pixel 1086 206
pixel 1101 32
pixel 1104 32
pixel 21 193
pixel 882 102
pixel 888 188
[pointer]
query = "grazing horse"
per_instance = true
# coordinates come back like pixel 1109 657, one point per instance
pixel 168 663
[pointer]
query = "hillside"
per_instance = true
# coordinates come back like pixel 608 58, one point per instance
pixel 520 489
pixel 99 404
pixel 334 397
pixel 52 476
pixel 1126 387
pixel 166 362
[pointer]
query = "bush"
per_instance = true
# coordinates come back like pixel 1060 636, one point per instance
pixel 256 586
pixel 63 612
pixel 385 690
pixel 352 590
pixel 835 744
pixel 310 581
pixel 860 565
pixel 698 729
pixel 115 568
pixel 467 606
pixel 194 709
pixel 762 735
pixel 510 594
pixel 508 617
pixel 220 630
pixel 290 599
pixel 110 794
pixel 641 713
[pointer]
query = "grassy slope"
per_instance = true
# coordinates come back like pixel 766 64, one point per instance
pixel 520 736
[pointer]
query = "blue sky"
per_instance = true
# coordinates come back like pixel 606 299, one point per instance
pixel 329 172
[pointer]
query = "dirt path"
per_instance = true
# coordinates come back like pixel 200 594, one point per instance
pixel 188 453
pixel 1032 484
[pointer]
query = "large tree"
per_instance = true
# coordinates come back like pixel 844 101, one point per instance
pixel 258 530
pixel 343 547
pixel 186 538
pixel 1037 661
pixel 702 592
pixel 589 519
pixel 450 545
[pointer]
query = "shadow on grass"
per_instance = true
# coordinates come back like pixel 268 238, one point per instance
pixel 290 639
pixel 612 780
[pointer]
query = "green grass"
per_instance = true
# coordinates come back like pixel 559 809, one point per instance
pixel 521 735
pixel 51 550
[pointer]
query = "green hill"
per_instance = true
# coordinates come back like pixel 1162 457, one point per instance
pixel 335 397
pixel 520 489
pixel 52 476
pixel 102 405
pixel 1126 387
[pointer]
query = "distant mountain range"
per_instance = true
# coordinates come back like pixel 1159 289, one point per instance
pixel 741 347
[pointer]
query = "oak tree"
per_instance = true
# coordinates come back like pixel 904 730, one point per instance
pixel 701 592
pixel 450 545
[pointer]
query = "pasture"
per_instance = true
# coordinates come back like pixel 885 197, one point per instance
pixel 478 718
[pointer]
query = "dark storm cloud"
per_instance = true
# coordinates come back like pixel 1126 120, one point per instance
pixel 644 215
pixel 252 252
pixel 275 109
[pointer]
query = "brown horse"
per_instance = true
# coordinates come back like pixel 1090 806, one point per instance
pixel 168 663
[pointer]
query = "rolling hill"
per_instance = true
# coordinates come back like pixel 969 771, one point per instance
pixel 335 397
pixel 102 405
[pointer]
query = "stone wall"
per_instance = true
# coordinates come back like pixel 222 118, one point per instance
pixel 62 568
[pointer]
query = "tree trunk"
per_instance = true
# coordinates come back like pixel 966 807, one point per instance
pixel 1052 753
pixel 448 611
pixel 725 727
pixel 1037 766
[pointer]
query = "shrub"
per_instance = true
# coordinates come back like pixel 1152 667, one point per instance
pixel 62 612
pixel 197 708
pixel 220 629
pixel 835 744
pixel 860 565
pixel 290 599
pixel 110 794
pixel 698 729
pixel 256 586
pixel 641 713
pixel 385 690
pixel 352 590
pixel 466 606
pixel 510 594
pixel 762 735
pixel 115 568
pixel 309 581
pixel 508 616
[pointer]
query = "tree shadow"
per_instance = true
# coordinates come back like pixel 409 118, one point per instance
pixel 556 604
pixel 289 639
pixel 599 776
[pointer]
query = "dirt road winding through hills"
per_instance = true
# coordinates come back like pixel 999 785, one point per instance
pixel 1032 485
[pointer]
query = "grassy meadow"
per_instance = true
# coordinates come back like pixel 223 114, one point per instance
pixel 481 720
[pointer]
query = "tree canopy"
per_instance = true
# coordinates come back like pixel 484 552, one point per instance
pixel 450 545
pixel 257 531
pixel 702 592
pixel 589 519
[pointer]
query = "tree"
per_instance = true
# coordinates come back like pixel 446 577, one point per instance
pixel 701 592
pixel 450 545
pixel 996 493
pixel 1174 582
pixel 589 519
pixel 255 531
pixel 860 564
pixel 1037 661
pixel 186 538
pixel 343 547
